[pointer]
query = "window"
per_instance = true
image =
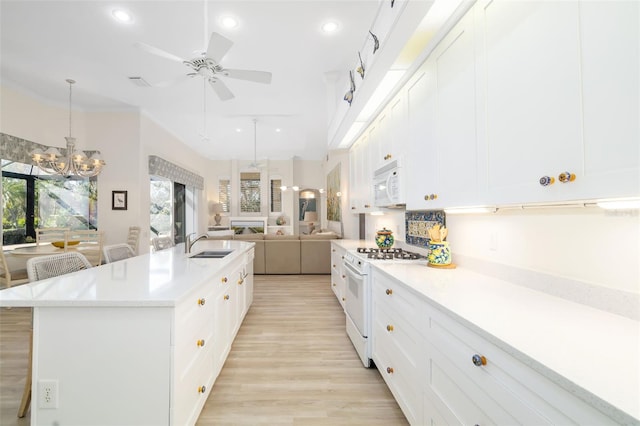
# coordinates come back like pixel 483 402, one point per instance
pixel 250 192
pixel 224 191
pixel 160 207
pixel 34 199
pixel 275 194
pixel 173 209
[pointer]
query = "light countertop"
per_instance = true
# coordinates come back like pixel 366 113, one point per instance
pixel 155 279
pixel 593 354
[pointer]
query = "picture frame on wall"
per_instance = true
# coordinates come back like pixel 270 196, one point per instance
pixel 118 200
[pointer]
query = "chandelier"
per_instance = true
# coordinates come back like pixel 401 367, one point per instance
pixel 74 162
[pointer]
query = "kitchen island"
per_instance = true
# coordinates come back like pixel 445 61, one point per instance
pixel 137 342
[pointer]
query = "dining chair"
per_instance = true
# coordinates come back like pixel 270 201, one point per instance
pixel 40 268
pixel 115 252
pixel 11 276
pixel 162 243
pixel 90 244
pixel 133 238
pixel 48 235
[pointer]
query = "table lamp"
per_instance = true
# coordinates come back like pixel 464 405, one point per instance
pixel 311 217
pixel 215 209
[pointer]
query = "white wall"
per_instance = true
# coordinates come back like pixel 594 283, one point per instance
pixel 125 140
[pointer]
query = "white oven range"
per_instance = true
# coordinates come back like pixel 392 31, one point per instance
pixel 358 304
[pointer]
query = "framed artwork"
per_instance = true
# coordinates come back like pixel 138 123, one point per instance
pixel 334 210
pixel 118 200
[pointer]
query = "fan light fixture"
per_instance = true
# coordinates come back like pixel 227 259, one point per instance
pixel 74 162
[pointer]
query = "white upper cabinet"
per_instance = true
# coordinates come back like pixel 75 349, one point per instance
pixel 517 98
pixel 561 99
pixel 533 123
pixel 360 173
pixel 443 146
pixel 610 49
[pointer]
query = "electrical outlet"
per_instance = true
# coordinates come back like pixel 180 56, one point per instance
pixel 48 394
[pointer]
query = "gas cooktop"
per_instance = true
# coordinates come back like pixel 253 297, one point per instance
pixel 388 253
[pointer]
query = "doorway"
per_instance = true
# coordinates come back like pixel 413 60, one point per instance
pixel 309 211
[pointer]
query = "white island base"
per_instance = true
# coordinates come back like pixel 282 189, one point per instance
pixel 136 342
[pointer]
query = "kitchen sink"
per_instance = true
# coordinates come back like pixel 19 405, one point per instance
pixel 211 254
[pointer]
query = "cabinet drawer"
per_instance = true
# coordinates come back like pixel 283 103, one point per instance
pixel 504 388
pixel 189 397
pixel 188 353
pixel 393 331
pixel 402 380
pixel 396 297
pixel 193 315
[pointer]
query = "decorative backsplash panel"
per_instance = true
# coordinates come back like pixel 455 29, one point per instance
pixel 418 222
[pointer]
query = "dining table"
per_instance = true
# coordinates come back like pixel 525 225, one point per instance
pixel 48 249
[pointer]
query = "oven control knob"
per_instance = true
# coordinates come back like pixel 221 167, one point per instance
pixel 389 328
pixel 389 292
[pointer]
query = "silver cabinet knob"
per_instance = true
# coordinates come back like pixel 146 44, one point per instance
pixel 478 360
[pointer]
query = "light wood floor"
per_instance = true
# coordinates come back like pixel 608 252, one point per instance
pixel 291 364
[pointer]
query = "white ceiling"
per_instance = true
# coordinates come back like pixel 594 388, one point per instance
pixel 45 42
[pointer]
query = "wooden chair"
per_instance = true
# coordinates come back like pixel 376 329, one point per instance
pixel 115 252
pixel 8 276
pixel 162 243
pixel 90 244
pixel 48 235
pixel 40 268
pixel 133 238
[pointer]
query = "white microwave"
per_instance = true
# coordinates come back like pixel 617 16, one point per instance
pixel 388 189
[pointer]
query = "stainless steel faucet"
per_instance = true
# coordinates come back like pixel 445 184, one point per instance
pixel 189 243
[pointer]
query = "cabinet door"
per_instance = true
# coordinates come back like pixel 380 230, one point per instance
pixel 443 161
pixel 610 46
pixel 355 166
pixel 421 161
pixel 533 119
pixel 337 275
pixel 456 149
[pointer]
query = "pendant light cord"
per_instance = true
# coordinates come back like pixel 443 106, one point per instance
pixel 255 143
pixel 71 82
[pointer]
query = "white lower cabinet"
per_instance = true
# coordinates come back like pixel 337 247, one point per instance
pixel 398 344
pixel 139 365
pixel 443 373
pixel 337 275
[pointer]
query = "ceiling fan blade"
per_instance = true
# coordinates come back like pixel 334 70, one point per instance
pixel 250 75
pixel 158 52
pixel 218 47
pixel 221 90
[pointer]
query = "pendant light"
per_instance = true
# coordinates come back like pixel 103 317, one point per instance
pixel 74 162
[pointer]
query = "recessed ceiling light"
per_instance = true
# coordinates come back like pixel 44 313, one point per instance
pixel 229 22
pixel 238 129
pixel 278 130
pixel 122 15
pixel 330 27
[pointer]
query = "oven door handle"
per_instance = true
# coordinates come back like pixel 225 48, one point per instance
pixel 352 271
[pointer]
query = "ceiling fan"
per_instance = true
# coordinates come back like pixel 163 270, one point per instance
pixel 209 67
